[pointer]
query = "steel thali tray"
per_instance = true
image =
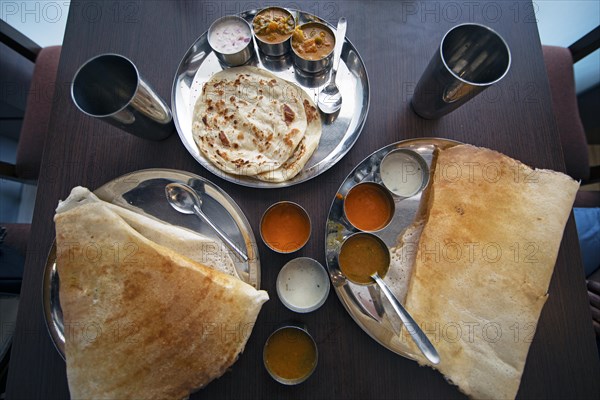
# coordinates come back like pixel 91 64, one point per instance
pixel 144 193
pixel 340 131
pixel 365 304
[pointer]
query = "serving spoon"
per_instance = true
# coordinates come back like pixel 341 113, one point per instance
pixel 187 201
pixel 362 272
pixel 330 97
pixel 417 334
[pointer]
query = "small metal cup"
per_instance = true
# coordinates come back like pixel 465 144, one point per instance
pixel 470 58
pixel 411 166
pixel 274 375
pixel 286 248
pixel 110 87
pixel 239 57
pixel 314 66
pixel 274 49
pixel 384 192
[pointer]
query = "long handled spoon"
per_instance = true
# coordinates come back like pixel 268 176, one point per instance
pixel 187 201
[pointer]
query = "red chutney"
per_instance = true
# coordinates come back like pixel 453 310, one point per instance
pixel 285 227
pixel 368 206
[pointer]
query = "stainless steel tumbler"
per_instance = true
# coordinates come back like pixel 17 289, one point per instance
pixel 470 58
pixel 110 87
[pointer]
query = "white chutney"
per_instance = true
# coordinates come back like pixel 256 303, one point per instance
pixel 403 173
pixel 303 285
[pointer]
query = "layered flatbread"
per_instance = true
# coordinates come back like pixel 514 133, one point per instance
pixel 484 263
pixel 248 121
pixel 305 149
pixel 142 321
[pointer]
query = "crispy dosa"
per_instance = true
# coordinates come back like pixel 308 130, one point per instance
pixel 187 243
pixel 141 321
pixel 484 263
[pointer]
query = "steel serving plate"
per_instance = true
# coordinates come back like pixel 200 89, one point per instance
pixel 364 303
pixel 340 130
pixel 144 193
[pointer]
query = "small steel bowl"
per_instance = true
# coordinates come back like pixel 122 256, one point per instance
pixel 285 248
pixel 277 377
pixel 238 57
pixel 387 197
pixel 297 279
pixel 314 66
pixel 379 242
pixel 269 48
pixel 404 172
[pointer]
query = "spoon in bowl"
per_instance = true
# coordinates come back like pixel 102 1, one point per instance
pixel 363 259
pixel 187 201
pixel 330 97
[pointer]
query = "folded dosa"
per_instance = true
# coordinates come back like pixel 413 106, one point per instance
pixel 187 243
pixel 484 263
pixel 142 321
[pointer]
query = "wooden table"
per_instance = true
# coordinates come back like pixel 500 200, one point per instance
pixel 396 40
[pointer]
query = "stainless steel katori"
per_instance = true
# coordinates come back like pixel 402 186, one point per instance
pixel 109 87
pixel 233 56
pixel 470 58
pixel 313 66
pixel 269 48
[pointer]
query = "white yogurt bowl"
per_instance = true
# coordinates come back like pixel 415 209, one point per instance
pixel 303 285
pixel 230 37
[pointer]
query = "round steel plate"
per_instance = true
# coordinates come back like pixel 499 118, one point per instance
pixel 340 130
pixel 144 192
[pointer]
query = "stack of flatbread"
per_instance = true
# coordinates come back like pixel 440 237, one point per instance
pixel 141 320
pixel 491 234
pixel 249 122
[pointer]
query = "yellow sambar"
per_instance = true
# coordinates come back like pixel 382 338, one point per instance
pixel 290 355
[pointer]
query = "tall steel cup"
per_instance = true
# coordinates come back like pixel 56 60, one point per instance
pixel 110 87
pixel 471 58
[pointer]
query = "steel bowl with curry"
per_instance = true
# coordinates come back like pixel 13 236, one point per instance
pixel 273 28
pixel 313 44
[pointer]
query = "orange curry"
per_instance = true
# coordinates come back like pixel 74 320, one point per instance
pixel 285 227
pixel 368 207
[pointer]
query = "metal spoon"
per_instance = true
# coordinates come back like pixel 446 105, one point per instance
pixel 418 336
pixel 185 200
pixel 330 98
pixel 421 340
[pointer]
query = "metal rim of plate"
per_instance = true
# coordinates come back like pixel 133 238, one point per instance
pixel 340 131
pixel 126 191
pixel 363 302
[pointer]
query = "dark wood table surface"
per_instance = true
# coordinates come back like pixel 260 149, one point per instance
pixel 396 40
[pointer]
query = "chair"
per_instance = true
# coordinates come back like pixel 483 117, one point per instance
pixel 36 118
pixel 35 122
pixel 559 65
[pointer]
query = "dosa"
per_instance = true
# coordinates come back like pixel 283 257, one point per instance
pixel 484 262
pixel 141 321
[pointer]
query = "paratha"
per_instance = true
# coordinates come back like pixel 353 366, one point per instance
pixel 309 143
pixel 248 121
pixel 484 263
pixel 142 321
